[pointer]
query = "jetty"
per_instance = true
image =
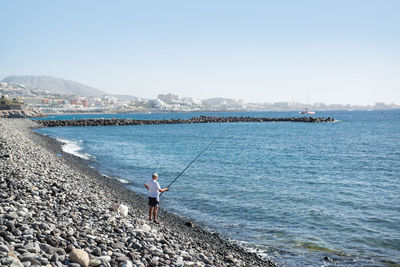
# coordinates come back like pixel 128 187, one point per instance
pixel 200 119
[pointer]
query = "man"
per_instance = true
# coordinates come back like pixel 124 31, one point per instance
pixel 154 196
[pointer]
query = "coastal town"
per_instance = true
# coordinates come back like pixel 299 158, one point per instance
pixel 46 101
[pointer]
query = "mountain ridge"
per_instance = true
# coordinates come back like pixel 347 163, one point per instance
pixel 60 86
pixel 54 85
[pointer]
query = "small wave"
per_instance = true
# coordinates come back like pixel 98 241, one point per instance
pixel 122 181
pixel 272 254
pixel 75 148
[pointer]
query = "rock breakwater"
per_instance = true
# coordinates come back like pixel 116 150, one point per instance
pixel 201 119
pixel 56 211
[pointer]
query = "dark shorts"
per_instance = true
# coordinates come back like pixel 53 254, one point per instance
pixel 153 202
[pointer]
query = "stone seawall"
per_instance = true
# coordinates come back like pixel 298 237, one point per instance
pixel 201 119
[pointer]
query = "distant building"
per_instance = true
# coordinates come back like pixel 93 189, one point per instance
pixel 33 101
pixel 73 101
pixel 169 98
pixel 192 101
pixel 156 103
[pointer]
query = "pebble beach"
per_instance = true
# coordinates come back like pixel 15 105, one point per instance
pixel 55 210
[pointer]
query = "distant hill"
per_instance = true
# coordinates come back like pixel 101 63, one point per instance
pixel 61 86
pixel 54 85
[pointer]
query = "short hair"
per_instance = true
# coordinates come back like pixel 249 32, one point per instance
pixel 154 175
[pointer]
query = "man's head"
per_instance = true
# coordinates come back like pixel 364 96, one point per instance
pixel 154 176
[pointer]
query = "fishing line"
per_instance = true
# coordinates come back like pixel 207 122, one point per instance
pixel 176 178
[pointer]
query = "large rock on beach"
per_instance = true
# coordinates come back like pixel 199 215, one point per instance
pixel 79 256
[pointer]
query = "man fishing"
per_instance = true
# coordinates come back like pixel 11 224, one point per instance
pixel 155 190
pixel 154 196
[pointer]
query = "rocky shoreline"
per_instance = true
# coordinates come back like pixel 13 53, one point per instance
pixel 201 119
pixel 21 113
pixel 57 211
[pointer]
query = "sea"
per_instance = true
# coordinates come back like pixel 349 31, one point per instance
pixel 299 194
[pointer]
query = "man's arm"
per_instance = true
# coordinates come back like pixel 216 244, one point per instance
pixel 146 186
pixel 163 190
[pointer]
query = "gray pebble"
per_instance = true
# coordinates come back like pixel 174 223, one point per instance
pixel 54 258
pixel 12 216
pixel 32 247
pixel 4 248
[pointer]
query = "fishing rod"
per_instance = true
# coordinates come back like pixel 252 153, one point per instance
pixel 176 178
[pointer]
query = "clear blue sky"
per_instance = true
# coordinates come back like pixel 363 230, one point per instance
pixel 342 51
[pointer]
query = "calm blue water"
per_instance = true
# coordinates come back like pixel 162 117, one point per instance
pixel 294 192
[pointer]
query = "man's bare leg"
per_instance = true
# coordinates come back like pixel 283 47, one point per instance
pixel 150 212
pixel 155 214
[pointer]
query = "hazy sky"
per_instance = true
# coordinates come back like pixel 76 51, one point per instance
pixel 260 51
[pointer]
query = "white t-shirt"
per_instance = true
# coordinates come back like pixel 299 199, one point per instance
pixel 153 188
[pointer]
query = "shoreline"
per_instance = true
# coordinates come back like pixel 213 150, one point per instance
pixel 172 243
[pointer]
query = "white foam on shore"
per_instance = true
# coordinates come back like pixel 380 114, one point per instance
pixel 75 148
pixel 122 181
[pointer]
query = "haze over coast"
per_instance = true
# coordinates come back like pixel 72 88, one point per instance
pixel 51 94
